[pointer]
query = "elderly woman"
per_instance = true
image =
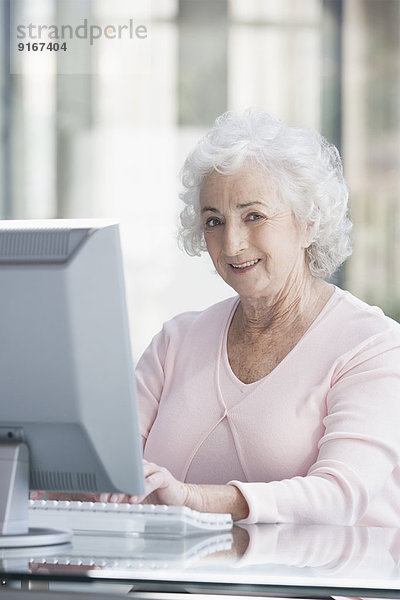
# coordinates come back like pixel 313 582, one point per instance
pixel 282 403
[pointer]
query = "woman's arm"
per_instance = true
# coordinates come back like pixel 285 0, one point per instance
pixel 218 498
pixel 359 452
pixel 163 488
pixel 150 378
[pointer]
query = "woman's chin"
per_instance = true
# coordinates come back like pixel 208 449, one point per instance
pixel 251 291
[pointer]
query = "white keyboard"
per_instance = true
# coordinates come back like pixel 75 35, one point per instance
pixel 125 519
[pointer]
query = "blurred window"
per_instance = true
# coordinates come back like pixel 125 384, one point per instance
pixel 111 143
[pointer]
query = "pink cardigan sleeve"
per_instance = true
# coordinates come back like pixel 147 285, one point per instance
pixel 359 453
pixel 150 382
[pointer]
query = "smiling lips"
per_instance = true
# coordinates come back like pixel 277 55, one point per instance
pixel 245 266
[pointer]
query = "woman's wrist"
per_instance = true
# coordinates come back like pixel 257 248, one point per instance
pixel 194 497
pixel 217 499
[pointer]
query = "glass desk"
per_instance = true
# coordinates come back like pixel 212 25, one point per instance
pixel 259 560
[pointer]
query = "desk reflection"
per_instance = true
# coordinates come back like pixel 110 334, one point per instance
pixel 249 553
pixel 328 549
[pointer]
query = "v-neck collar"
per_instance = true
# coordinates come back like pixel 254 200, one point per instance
pixel 223 350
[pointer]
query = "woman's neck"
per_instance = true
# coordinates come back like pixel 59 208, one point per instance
pixel 294 307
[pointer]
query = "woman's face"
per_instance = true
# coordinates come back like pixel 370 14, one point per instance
pixel 252 237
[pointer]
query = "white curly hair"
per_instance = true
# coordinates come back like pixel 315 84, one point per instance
pixel 305 168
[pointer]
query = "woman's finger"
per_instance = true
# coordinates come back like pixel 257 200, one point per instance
pixel 154 482
pixel 156 477
pixel 149 468
pixel 117 497
pixel 36 495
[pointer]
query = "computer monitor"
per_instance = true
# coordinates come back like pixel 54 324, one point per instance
pixel 68 412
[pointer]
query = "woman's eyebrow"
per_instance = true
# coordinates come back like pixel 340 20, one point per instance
pixel 247 204
pixel 209 208
pixel 241 205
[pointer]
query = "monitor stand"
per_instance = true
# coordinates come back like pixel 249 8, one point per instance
pixel 14 495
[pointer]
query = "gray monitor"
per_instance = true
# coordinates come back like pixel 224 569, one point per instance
pixel 68 413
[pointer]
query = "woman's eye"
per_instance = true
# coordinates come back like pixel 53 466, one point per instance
pixel 213 222
pixel 255 217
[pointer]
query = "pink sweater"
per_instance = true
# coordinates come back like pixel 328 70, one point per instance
pixel 315 441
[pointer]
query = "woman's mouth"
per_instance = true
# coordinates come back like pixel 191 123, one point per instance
pixel 244 266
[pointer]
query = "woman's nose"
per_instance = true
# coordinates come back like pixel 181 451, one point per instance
pixel 234 240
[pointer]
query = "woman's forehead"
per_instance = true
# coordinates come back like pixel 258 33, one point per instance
pixel 241 186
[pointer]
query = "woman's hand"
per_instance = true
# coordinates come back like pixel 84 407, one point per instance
pixel 161 487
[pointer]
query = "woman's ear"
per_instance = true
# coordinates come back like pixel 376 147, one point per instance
pixel 308 235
